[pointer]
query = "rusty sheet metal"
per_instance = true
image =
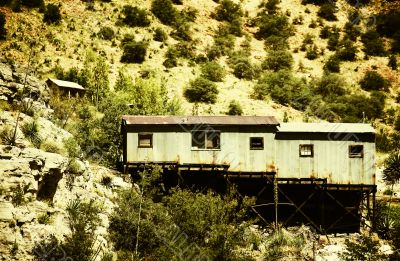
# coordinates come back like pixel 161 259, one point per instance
pixel 193 120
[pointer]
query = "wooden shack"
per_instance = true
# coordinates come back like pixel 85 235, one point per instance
pixel 242 143
pixel 342 153
pixel 321 174
pixel 70 89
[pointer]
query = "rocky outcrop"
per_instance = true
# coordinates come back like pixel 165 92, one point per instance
pixel 13 83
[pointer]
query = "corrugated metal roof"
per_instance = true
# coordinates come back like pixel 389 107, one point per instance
pixel 66 84
pixel 327 127
pixel 191 120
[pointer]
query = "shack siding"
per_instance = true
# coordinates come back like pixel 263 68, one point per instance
pixel 331 160
pixel 235 150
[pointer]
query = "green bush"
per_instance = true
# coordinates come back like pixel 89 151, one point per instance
pixel 165 11
pixel 213 71
pixel 244 69
pixel 44 219
pixel 278 60
pixel 7 135
pixel 234 108
pixel 52 14
pixel 228 11
pixel 106 33
pixel 333 40
pixel 330 86
pixel 332 64
pixel 364 248
pixel 3 30
pixel 134 52
pixel 222 46
pixel 160 35
pixel 352 31
pixel 189 14
pixel 346 51
pixel 284 88
pixel 387 23
pixel 373 43
pixel 312 52
pixel 276 43
pixel 31 132
pixel 277 25
pixel 134 16
pixel 50 146
pixel 327 11
pixel 373 81
pixel 201 90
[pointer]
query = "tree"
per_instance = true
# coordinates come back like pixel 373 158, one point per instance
pixel 52 14
pixel 393 62
pixel 332 65
pixel 228 11
pixel 135 16
pixel 373 81
pixel 134 52
pixel 327 11
pixel 391 173
pixel 3 30
pixel 213 71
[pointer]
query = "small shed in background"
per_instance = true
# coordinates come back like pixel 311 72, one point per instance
pixel 66 88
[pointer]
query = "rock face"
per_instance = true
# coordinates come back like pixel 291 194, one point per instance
pixel 13 81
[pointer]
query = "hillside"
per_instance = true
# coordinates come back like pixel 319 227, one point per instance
pixel 66 45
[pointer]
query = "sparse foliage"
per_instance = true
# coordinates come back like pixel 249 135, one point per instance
pixel 234 108
pixel 213 71
pixel 165 11
pixel 278 60
pixel 135 16
pixel 3 30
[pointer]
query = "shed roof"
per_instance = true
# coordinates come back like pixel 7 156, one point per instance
pixel 326 127
pixel 194 120
pixel 66 84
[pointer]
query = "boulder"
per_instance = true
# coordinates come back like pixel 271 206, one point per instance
pixel 6 72
pixel 6 211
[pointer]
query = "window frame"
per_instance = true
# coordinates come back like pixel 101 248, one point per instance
pixel 356 155
pixel 141 136
pixel 311 146
pixel 206 133
pixel 257 148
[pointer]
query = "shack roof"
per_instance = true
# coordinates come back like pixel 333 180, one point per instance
pixel 66 84
pixel 195 120
pixel 326 127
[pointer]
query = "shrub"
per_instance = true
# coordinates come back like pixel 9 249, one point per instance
pixel 228 11
pixel 330 86
pixel 7 135
pixel 283 88
pixel 52 14
pixel 312 52
pixel 332 64
pixel 73 167
pixel 278 60
pixel 213 71
pixel 44 219
pixel 31 132
pixel 327 11
pixel 364 248
pixel 352 31
pixel 50 146
pixel 325 32
pixel 396 43
pixel 106 181
pixel 392 62
pixel 234 108
pixel 182 31
pixel 373 43
pixel 222 46
pixel 346 51
pixel 201 90
pixel 333 40
pixel 165 11
pixel 244 69
pixel 387 23
pixel 106 33
pixel 189 14
pixel 134 52
pixel 134 16
pixel 160 35
pixel 18 196
pixel 277 25
pixel 373 81
pixel 3 30
pixel 276 43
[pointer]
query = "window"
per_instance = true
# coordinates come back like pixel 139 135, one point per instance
pixel 256 143
pixel 145 140
pixel 306 150
pixel 206 140
pixel 356 151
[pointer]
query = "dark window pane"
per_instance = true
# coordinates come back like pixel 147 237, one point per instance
pixel 356 151
pixel 198 139
pixel 256 143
